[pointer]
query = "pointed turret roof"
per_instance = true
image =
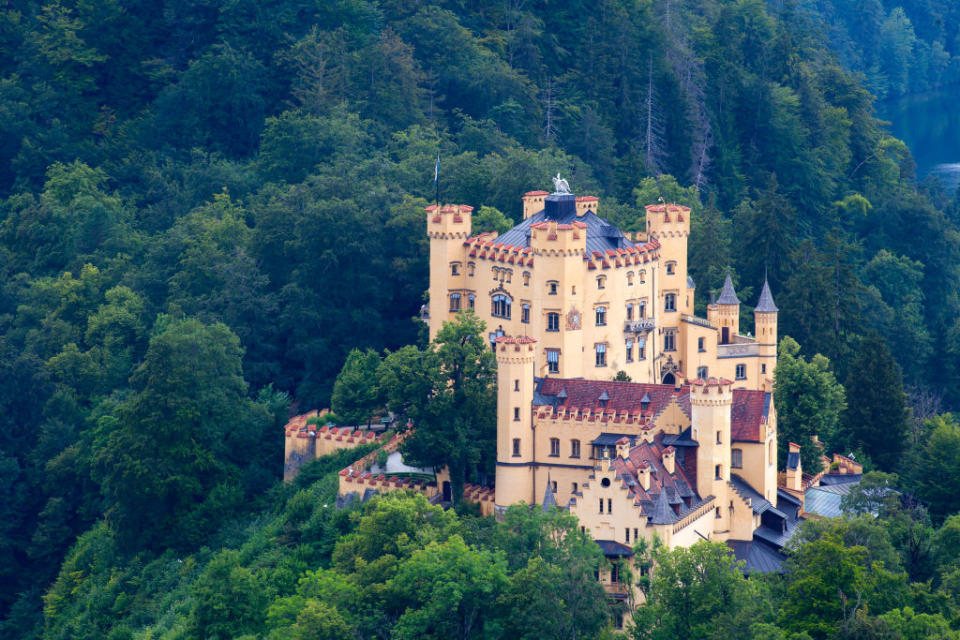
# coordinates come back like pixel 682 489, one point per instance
pixel 662 513
pixel 728 295
pixel 765 303
pixel 690 283
pixel 549 501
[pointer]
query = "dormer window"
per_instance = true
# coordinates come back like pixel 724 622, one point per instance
pixel 604 398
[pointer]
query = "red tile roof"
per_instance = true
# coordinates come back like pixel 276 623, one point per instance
pixel 749 411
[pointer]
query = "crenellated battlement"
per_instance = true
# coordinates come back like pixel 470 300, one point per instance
pixel 449 221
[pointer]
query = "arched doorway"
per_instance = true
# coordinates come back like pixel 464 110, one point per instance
pixel 669 379
pixel 447 493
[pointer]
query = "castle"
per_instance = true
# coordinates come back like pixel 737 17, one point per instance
pixel 687 449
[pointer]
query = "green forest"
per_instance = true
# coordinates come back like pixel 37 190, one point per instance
pixel 206 206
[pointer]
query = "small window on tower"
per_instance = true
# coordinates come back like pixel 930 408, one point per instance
pixel 671 268
pixel 741 372
pixel 455 269
pixel 516 447
pixel 643 276
pixel 525 314
pixel 629 278
pixel 516 414
pixel 552 288
pixel 471 268
pixel 526 278
pixel 670 302
pixel 553 361
pixel 601 282
pixel 454 302
pixel 601 316
pixel 553 321
pixel 700 344
pixel 554 447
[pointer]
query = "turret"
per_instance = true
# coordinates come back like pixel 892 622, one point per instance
pixel 533 202
pixel 515 446
pixel 725 312
pixel 710 406
pixel 765 327
pixel 448 226
pixel 669 224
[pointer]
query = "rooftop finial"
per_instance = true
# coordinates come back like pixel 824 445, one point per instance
pixel 561 186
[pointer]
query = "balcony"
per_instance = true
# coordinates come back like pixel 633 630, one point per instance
pixel 737 350
pixel 642 325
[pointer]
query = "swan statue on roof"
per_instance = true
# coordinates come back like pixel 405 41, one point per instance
pixel 561 186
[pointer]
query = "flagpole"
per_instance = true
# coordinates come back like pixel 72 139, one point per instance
pixel 436 179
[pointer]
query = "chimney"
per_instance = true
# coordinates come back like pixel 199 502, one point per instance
pixel 669 459
pixel 623 447
pixel 643 475
pixel 794 475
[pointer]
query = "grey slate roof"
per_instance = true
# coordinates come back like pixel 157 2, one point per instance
pixel 757 501
pixel 601 235
pixel 759 557
pixel 614 549
pixel 765 303
pixel 690 283
pixel 661 512
pixel 728 295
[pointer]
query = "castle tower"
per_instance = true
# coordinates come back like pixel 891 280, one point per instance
pixel 669 224
pixel 724 314
pixel 447 227
pixel 765 326
pixel 710 406
pixel 558 244
pixel 515 362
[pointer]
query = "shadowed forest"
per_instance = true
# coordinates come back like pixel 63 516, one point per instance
pixel 206 206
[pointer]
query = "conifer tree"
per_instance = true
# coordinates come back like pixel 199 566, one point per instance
pixel 876 416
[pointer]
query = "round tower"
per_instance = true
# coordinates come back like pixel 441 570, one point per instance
pixel 765 327
pixel 448 226
pixel 711 401
pixel 515 384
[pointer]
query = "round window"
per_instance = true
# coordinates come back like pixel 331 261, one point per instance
pixel 605 482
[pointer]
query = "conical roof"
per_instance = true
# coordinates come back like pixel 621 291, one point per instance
pixel 662 513
pixel 549 501
pixel 765 303
pixel 728 295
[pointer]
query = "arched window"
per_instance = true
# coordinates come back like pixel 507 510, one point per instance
pixel 601 316
pixel 552 287
pixel 553 321
pixel 454 268
pixel 629 311
pixel 525 313
pixel 629 278
pixel 526 278
pixel 601 354
pixel 454 302
pixel 472 301
pixel 601 282
pixel 516 447
pixel 501 306
pixel 670 302
pixel 643 276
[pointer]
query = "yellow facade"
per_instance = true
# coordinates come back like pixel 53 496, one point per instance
pixel 593 312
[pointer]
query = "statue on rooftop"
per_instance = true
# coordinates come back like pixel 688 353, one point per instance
pixel 561 186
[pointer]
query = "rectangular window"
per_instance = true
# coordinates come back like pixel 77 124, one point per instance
pixel 472 300
pixel 627 537
pixel 574 448
pixel 718 438
pixel 670 302
pixel 601 282
pixel 669 341
pixel 741 372
pixel 635 537
pixel 671 268
pixel 614 572
pixel 554 447
pixel 716 473
pixel 554 486
pixel 552 288
pixel 454 302
pixel 629 347
pixel 702 373
pixel 609 505
pixel 601 316
pixel 629 312
pixel 763 368
pixel 641 349
pixel 553 361
pixel 574 487
pixel 601 505
pixel 525 314
pixel 455 269
pixel 700 344
pixel 553 322
pixel 516 414
pixel 736 458
pixel 601 355
pixel 501 306
pixel 516 447
pixel 642 311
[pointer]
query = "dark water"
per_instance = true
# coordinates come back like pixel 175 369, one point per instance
pixel 930 125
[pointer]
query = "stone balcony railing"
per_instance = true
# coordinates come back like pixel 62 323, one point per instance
pixel 639 326
pixel 737 350
pixel 701 322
